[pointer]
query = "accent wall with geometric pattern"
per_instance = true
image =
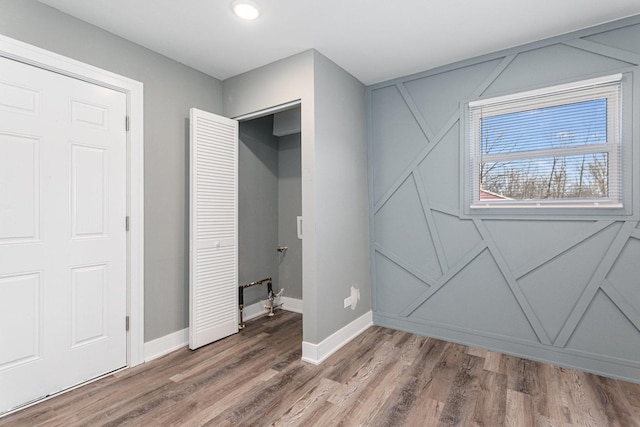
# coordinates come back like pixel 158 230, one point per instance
pixel 564 289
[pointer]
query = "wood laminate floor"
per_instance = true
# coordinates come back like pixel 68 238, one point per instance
pixel 382 378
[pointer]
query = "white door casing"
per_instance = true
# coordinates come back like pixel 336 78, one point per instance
pixel 63 258
pixel 29 54
pixel 213 231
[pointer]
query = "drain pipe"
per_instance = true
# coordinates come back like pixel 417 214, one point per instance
pixel 270 297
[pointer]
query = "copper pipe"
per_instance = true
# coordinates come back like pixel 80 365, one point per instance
pixel 257 282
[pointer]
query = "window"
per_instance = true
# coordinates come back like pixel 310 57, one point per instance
pixel 558 147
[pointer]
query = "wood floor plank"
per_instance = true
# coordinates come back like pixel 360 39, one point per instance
pixel 458 408
pixel 632 392
pixel 382 378
pixel 355 388
pixel 368 407
pixel 364 345
pixel 557 408
pixel 585 408
pixel 198 408
pixel 411 348
pixel 616 406
pixel 169 391
pixel 491 401
pixel 475 351
pixel 425 413
pixel 413 386
pixel 357 384
pixel 231 386
pixel 493 362
pixel 303 410
pixel 542 421
pixel 520 410
pixel 445 371
pixel 259 403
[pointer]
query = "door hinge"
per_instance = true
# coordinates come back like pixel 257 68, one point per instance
pixel 126 123
pixel 127 223
pixel 127 323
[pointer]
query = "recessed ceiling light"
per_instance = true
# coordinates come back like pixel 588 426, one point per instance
pixel 246 10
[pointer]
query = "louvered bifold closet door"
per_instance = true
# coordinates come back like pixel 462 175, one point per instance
pixel 213 234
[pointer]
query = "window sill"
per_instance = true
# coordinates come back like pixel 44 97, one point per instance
pixel 547 205
pixel 551 211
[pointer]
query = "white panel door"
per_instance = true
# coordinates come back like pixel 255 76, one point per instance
pixel 62 232
pixel 213 234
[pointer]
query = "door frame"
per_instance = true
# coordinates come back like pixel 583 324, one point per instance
pixel 32 55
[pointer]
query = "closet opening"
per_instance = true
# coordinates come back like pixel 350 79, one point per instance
pixel 269 212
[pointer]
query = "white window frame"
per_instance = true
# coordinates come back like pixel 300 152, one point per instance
pixel 617 147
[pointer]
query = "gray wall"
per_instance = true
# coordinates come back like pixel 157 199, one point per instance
pixel 334 178
pixel 289 207
pixel 170 89
pixel 564 290
pixel 287 80
pixel 257 206
pixel 341 191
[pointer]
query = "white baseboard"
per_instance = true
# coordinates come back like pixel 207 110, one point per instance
pixel 252 311
pixel 317 353
pixel 292 304
pixel 166 344
pixel 257 309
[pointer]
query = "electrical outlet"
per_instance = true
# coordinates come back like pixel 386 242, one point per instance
pixel 347 302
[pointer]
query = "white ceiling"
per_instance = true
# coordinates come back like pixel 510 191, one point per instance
pixel 375 40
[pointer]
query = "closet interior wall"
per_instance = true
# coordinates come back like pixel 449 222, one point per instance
pixel 269 200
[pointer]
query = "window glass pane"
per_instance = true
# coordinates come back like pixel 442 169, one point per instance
pixel 582 176
pixel 560 126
